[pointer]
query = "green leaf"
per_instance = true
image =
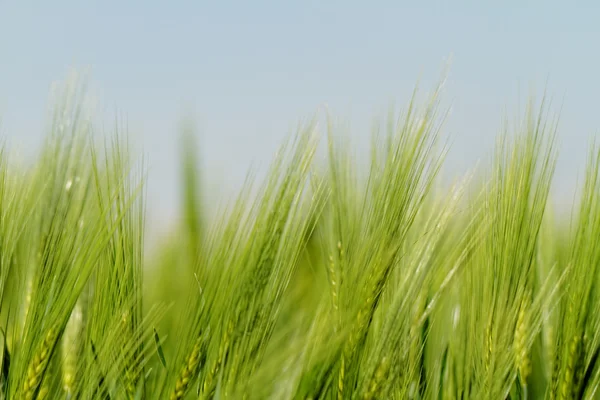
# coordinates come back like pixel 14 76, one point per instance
pixel 159 349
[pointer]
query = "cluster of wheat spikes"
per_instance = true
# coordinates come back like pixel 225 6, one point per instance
pixel 329 281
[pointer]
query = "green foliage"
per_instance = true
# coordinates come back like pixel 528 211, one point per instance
pixel 320 283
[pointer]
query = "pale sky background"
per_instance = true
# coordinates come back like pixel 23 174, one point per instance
pixel 250 71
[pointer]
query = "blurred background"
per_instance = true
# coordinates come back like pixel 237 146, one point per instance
pixel 247 73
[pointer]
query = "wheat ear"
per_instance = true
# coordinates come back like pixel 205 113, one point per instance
pixel 521 351
pixel 37 368
pixel 188 371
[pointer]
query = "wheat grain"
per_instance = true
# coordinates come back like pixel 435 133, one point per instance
pixel 188 371
pixel 579 370
pixel 334 284
pixel 489 345
pixel 207 386
pixel 567 386
pixel 37 367
pixel 380 376
pixel 70 349
pixel 555 376
pixel 521 351
pixel 43 393
pixel 340 385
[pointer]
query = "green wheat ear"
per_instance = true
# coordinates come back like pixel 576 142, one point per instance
pixel 71 350
pixel 522 357
pixel 37 368
pixel 189 371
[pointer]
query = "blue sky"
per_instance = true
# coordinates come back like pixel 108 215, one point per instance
pixel 250 71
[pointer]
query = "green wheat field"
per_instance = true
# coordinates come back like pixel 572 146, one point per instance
pixel 325 280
